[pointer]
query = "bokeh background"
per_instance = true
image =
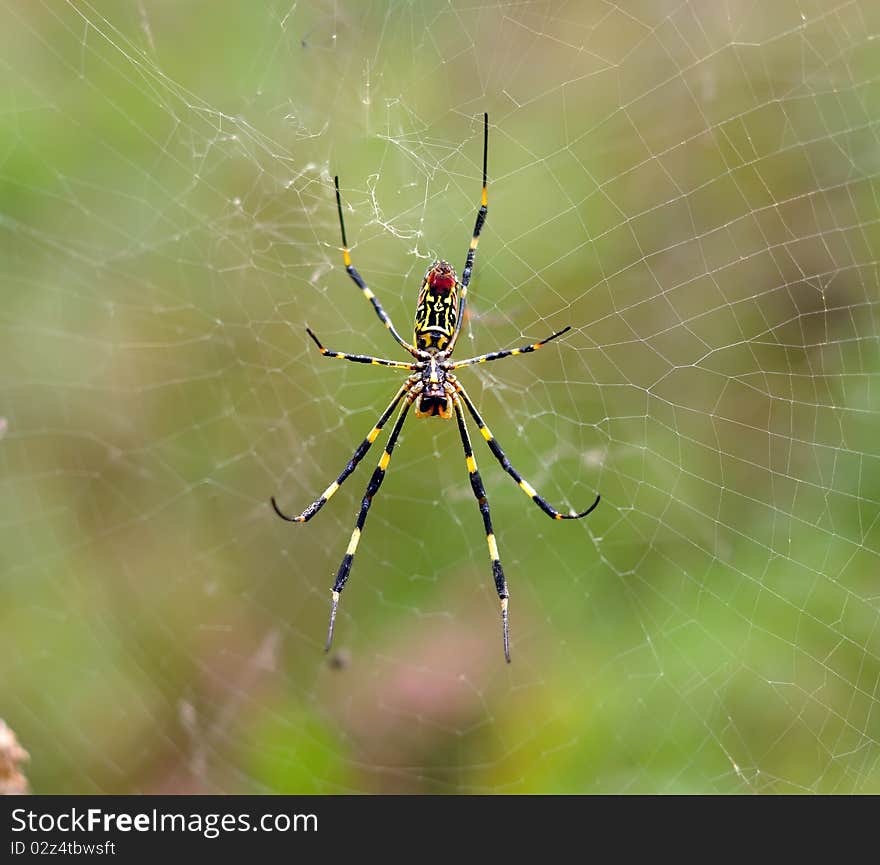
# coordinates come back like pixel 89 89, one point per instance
pixel 692 186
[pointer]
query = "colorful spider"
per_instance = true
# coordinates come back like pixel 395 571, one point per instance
pixel 436 392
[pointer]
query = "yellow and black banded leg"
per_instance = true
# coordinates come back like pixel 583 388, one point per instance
pixel 513 352
pixel 359 281
pixel 358 455
pixel 483 502
pixel 523 484
pixel 475 239
pixel 372 488
pixel 358 358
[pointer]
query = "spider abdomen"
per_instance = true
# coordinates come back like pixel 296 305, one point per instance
pixel 437 309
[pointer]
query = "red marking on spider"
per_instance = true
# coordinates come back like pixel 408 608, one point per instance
pixel 441 277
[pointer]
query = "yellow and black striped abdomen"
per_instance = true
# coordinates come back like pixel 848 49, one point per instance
pixel 437 310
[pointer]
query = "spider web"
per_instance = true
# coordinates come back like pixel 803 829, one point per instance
pixel 691 186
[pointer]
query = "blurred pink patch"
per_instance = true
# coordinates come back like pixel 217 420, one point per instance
pixel 12 781
pixel 402 703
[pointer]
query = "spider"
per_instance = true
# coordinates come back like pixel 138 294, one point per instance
pixel 436 392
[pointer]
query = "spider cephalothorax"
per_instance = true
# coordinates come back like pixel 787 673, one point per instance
pixel 436 392
pixel 435 398
pixel 437 309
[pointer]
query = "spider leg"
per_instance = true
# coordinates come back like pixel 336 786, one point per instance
pixel 358 358
pixel 524 485
pixel 358 455
pixel 475 239
pixel 497 355
pixel 372 488
pixel 358 279
pixel 483 502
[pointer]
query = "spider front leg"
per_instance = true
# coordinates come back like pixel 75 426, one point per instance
pixel 523 484
pixel 357 456
pixel 372 488
pixel 475 239
pixel 510 352
pixel 358 358
pixel 483 502
pixel 359 281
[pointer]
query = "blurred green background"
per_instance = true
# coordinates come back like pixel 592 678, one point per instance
pixel 693 186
